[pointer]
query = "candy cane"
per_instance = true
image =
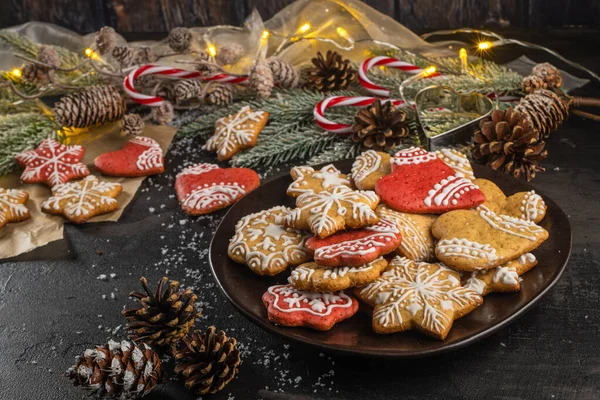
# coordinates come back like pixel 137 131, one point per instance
pixel 340 101
pixel 364 80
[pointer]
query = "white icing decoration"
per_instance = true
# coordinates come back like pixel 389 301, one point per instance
pixel 413 155
pixel 506 275
pixel 150 158
pixel 233 131
pixel 289 300
pixel 414 243
pixel 512 226
pixel 466 249
pixel 527 257
pixel 476 284
pixel 364 165
pixel 207 196
pixel 329 177
pixel 532 206
pixel 457 161
pixel 449 188
pixel 11 204
pixel 304 273
pixel 198 169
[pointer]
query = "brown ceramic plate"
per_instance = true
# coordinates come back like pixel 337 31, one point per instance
pixel 355 336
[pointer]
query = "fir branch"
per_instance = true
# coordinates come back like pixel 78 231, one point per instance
pixel 20 42
pixel 339 150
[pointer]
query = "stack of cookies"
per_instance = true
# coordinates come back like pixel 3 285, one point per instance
pixel 414 236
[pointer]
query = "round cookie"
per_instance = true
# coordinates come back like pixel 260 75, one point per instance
pixel 141 156
pixel 368 168
pixel 307 180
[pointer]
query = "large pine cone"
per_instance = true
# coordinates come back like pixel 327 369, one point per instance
pixel 122 370
pixel 208 361
pixel 379 126
pixel 91 106
pixel 330 73
pixel 545 110
pixel 507 141
pixel 164 317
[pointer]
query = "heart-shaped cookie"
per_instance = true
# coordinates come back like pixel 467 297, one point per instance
pixel 141 156
pixel 205 188
pixel 523 205
pixel 421 183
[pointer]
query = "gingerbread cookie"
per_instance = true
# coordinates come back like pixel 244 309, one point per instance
pixel 523 205
pixel 52 163
pixel 141 156
pixel 81 200
pixel 12 206
pixel 504 278
pixel 415 295
pixel 333 210
pixel 481 239
pixel 307 180
pixel 356 247
pixel 290 307
pixel 265 245
pixel 417 241
pixel 317 278
pixel 369 167
pixel 236 132
pixel 457 161
pixel 421 183
pixel 206 188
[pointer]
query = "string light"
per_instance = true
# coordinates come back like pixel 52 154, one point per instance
pixel 265 35
pixel 16 72
pixel 484 46
pixel 427 72
pixel 304 28
pixel 91 54
pixel 342 32
pixel 212 50
pixel 464 63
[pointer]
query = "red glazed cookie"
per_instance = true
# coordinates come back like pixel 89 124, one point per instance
pixel 421 183
pixel 290 307
pixel 141 156
pixel 206 188
pixel 52 163
pixel 356 247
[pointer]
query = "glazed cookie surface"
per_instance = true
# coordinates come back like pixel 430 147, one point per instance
pixel 307 180
pixel 12 206
pixel 141 156
pixel 368 168
pixel 504 278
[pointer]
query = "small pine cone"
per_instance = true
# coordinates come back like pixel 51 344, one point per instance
pixel 186 90
pixel 532 83
pixel 284 74
pixel 332 72
pixel 166 90
pixel 143 55
pixel 549 73
pixel 379 126
pixel 91 106
pixel 164 317
pixel 205 57
pixel 123 55
pixel 261 79
pixel 164 113
pixel 34 74
pixel 180 39
pixel 545 110
pixel 105 40
pixel 132 125
pixel 48 55
pixel 220 95
pixel 208 361
pixel 229 55
pixel 124 370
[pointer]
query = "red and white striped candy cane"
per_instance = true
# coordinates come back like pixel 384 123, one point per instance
pixel 364 80
pixel 340 101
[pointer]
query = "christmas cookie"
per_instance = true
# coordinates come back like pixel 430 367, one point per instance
pixel 81 200
pixel 368 168
pixel 306 179
pixel 356 247
pixel 206 188
pixel 52 163
pixel 333 210
pixel 141 156
pixel 481 239
pixel 421 183
pixel 457 161
pixel 523 205
pixel 416 295
pixel 265 245
pixel 504 278
pixel 317 278
pixel 290 307
pixel 12 206
pixel 236 132
pixel 417 241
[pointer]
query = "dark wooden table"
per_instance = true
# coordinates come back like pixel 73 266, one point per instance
pixel 53 306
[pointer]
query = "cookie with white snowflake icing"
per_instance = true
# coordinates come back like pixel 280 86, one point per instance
pixel 12 206
pixel 317 278
pixel 504 278
pixel 263 243
pixel 457 161
pixel 321 311
pixel 369 167
pixel 417 241
pixel 236 132
pixel 481 239
pixel 206 188
pixel 52 163
pixel 141 156
pixel 307 180
pixel 81 200
pixel 523 205
pixel 333 210
pixel 417 295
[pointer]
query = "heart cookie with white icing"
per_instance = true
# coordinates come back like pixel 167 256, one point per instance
pixel 307 180
pixel 523 205
pixel 141 156
pixel 504 278
pixel 369 167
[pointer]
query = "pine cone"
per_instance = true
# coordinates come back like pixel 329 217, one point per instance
pixel 330 73
pixel 545 110
pixel 220 95
pixel 122 370
pixel 91 106
pixel 208 361
pixel 261 79
pixel 379 126
pixel 532 83
pixel 143 55
pixel 204 56
pixel 132 125
pixel 186 90
pixel 48 55
pixel 229 55
pixel 34 74
pixel 164 113
pixel 164 317
pixel 123 55
pixel 550 74
pixel 105 40
pixel 507 141
pixel 284 74
pixel 180 39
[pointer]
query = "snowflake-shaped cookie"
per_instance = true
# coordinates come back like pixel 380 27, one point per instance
pixel 236 132
pixel 333 210
pixel 12 206
pixel 307 180
pixel 265 245
pixel 52 163
pixel 415 295
pixel 81 200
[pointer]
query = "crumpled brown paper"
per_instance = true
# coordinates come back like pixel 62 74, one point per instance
pixel 42 229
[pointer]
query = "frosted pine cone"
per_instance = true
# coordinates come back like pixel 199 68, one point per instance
pixel 550 74
pixel 532 83
pixel 132 125
pixel 186 90
pixel 105 40
pixel 180 39
pixel 220 95
pixel 143 55
pixel 48 55
pixel 205 57
pixel 90 106
pixel 284 74
pixel 164 113
pixel 123 55
pixel 34 74
pixel 261 79
pixel 230 55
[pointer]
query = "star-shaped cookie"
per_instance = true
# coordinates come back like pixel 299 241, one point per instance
pixel 306 180
pixel 12 206
pixel 528 206
pixel 504 278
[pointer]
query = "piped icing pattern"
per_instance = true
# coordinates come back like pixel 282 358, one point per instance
pixel 511 225
pixel 504 278
pixel 448 191
pixel 307 180
pixel 368 167
pixel 457 161
pixel 12 206
pixel 412 156
pixel 151 157
pixel 532 206
pixel 465 248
